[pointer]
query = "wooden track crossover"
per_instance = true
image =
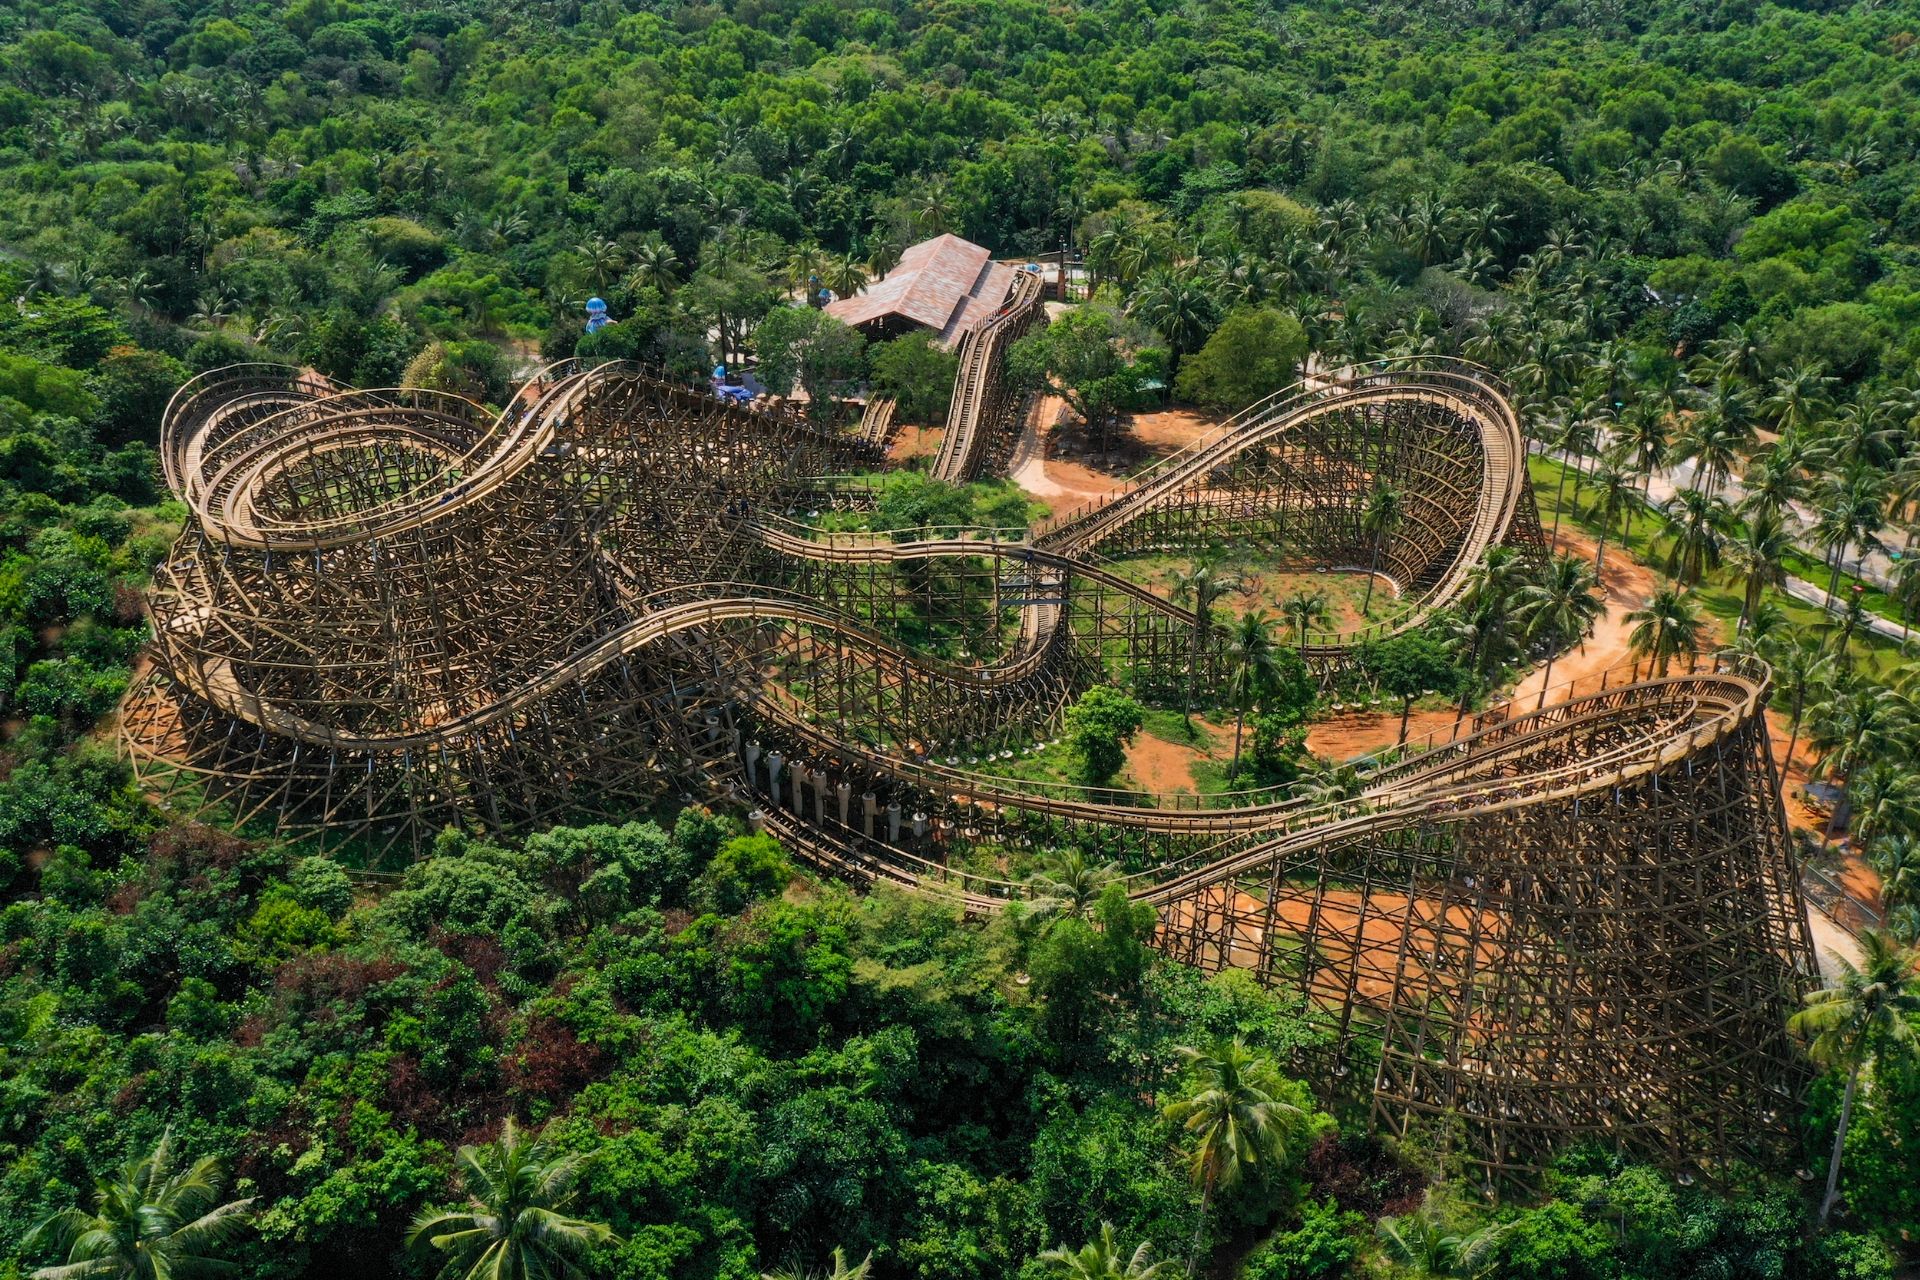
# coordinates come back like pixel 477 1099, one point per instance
pixel 392 611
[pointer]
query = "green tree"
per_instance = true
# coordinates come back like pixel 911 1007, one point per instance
pixel 1696 523
pixel 514 1223
pixel 1084 358
pixel 808 348
pixel 1868 1013
pixel 1253 354
pixel 1409 665
pixel 917 374
pixel 1070 884
pixel 1100 725
pixel 1234 1117
pixel 149 1221
pixel 1304 609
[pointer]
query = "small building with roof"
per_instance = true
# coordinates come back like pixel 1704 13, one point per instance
pixel 948 285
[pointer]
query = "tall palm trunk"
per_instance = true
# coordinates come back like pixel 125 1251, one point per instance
pixel 1239 724
pixel 1839 1141
pixel 1200 1227
pixel 1406 709
pixel 1373 563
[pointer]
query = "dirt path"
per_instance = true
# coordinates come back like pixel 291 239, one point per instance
pixel 1054 458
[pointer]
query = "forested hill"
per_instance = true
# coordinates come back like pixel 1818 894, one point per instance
pixel 340 181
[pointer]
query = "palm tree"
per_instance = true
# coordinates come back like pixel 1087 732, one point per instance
pixel 603 258
pixel 1758 549
pixel 1378 520
pixel 1255 664
pixel 1713 442
pixel 1178 308
pixel 1103 1259
pixel 1669 624
pixel 1070 884
pixel 655 264
pixel 513 1224
pixel 1304 609
pixel 1697 524
pixel 840 1270
pixel 1642 438
pixel 1234 1116
pixel 1614 499
pixel 148 1221
pixel 1897 858
pixel 1868 1013
pixel 1855 723
pixel 846 275
pixel 1199 589
pixel 1801 672
pixel 1424 1244
pixel 1559 605
pixel 1327 782
pixel 1885 801
pixel 1851 513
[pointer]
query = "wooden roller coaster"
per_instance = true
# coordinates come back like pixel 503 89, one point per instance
pixel 392 611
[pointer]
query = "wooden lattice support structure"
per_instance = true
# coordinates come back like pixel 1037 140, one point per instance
pixel 392 611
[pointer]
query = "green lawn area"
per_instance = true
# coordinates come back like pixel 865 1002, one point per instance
pixel 1721 591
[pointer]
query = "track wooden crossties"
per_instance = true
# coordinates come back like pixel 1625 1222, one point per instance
pixel 392 611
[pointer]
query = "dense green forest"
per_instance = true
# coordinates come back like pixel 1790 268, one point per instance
pixel 1687 231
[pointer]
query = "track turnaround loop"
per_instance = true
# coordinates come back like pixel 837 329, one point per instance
pixel 392 611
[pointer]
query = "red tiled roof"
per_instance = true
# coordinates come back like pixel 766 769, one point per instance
pixel 948 284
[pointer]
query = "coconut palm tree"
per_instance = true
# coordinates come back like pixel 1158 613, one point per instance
pixel 1758 548
pixel 1305 609
pixel 1868 1013
pixel 1713 442
pixel 1885 801
pixel 1327 782
pixel 1199 589
pixel 1424 1244
pixel 1103 1259
pixel 1378 519
pixel 149 1221
pixel 603 258
pixel 1697 524
pixel 1070 884
pixel 513 1225
pixel 1856 722
pixel 1851 509
pixel 840 1269
pixel 1641 436
pixel 1235 1118
pixel 1777 479
pixel 1614 500
pixel 846 275
pixel 1668 625
pixel 1897 858
pixel 1254 662
pixel 655 264
pixel 1800 673
pixel 1558 606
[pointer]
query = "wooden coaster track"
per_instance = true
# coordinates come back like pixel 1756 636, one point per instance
pixel 392 611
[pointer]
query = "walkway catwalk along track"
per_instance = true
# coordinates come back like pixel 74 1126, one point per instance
pixel 392 611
